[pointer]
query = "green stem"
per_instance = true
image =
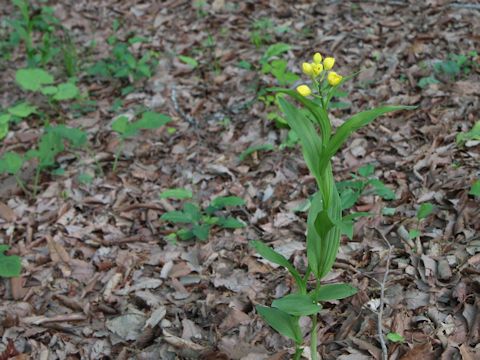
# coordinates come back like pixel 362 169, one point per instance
pixel 298 352
pixel 22 185
pixel 35 183
pixel 117 154
pixel 313 338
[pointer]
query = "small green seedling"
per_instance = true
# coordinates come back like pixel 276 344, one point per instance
pixel 264 30
pixel 271 64
pixel 395 338
pixel 127 129
pixel 475 189
pixel 11 163
pixel 124 64
pixel 15 114
pixel 10 266
pixel 200 221
pixel 363 183
pixel 472 135
pixel 51 144
pixel 39 80
pixel 454 67
pixel 422 213
pixel 189 61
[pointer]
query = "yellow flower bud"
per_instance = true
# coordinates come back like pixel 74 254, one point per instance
pixel 333 78
pixel 304 90
pixel 307 68
pixel 317 69
pixel 317 58
pixel 328 63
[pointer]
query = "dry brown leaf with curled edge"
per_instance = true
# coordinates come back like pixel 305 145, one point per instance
pixel 424 352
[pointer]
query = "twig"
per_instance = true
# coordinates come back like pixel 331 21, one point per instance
pixel 186 117
pixel 465 6
pixel 382 299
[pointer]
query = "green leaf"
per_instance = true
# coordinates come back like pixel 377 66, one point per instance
pixel 382 190
pixel 311 142
pixel 10 266
pixel 201 231
pixel 323 239
pixel 11 163
pixel 85 178
pixel 396 338
pixel 255 148
pixel 348 197
pixel 281 322
pixel 425 81
pixel 231 223
pixel 414 233
pixel 366 170
pixel 66 91
pixel 424 210
pixel 475 190
pixel 177 194
pixel 122 126
pixel 33 79
pixel 185 234
pixel 354 123
pixel 151 120
pixel 224 201
pixel 189 61
pixel 177 217
pixel 76 137
pixel 333 292
pixel 271 255
pixel 193 211
pixel 388 211
pixel 473 134
pixel 22 110
pixel 3 129
pixel 275 50
pixel 297 305
pixel 320 115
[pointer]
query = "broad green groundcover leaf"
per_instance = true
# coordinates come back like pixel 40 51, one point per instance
pixel 333 292
pixel 475 190
pixel 297 305
pixel 33 79
pixel 424 210
pixel 66 91
pixel 177 194
pixel 11 163
pixel 22 110
pixel 10 266
pixel 224 201
pixel 285 324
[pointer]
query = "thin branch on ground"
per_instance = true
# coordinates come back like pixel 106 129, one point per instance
pixel 177 108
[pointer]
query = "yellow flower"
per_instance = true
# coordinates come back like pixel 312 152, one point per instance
pixel 328 63
pixel 317 69
pixel 317 58
pixel 304 90
pixel 307 68
pixel 333 78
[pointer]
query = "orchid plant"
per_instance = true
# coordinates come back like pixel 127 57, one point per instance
pixel 325 223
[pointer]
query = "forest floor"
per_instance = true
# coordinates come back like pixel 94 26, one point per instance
pixel 102 276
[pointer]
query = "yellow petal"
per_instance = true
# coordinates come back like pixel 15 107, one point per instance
pixel 317 58
pixel 317 69
pixel 333 78
pixel 307 68
pixel 328 63
pixel 304 90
